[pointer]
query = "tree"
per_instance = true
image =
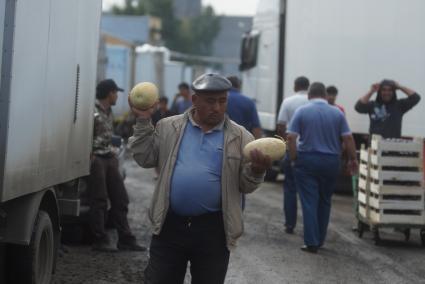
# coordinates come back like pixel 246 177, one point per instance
pixel 192 35
pixel 131 7
pixel 204 30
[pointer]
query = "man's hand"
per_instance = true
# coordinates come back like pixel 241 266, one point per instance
pixel 143 113
pixel 375 87
pixel 353 166
pixel 292 146
pixel 397 85
pixel 404 89
pixel 259 162
pixel 281 130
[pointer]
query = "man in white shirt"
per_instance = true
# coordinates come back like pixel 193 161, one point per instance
pixel 287 110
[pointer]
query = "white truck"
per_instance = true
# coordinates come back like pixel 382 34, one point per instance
pixel 349 44
pixel 48 74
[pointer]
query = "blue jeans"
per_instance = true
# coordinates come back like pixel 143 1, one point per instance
pixel 289 194
pixel 315 176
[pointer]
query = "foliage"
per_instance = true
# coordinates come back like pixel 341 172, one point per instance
pixel 189 35
pixel 131 7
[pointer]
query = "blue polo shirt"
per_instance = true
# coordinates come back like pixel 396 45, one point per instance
pixel 242 110
pixel 319 127
pixel 182 105
pixel 196 179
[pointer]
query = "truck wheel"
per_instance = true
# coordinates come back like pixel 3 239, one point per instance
pixel 34 263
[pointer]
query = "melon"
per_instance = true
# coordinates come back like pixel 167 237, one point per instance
pixel 275 148
pixel 144 95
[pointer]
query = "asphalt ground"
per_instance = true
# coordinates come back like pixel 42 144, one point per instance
pixel 265 253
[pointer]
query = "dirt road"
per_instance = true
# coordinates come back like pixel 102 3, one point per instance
pixel 265 254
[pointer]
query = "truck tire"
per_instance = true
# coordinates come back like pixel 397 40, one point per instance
pixel 34 263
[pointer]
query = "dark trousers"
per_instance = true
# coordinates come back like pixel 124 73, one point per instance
pixel 315 175
pixel 198 240
pixel 105 182
pixel 289 194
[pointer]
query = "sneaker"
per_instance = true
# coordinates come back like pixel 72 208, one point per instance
pixel 104 246
pixel 130 244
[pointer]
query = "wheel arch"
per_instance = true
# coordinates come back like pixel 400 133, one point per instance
pixel 19 216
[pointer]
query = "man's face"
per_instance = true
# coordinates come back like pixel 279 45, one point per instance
pixel 184 92
pixel 386 94
pixel 210 107
pixel 113 96
pixel 163 106
pixel 331 99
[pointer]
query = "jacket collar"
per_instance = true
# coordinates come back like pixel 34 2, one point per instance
pixel 228 127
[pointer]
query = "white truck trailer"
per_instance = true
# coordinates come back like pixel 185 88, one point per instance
pixel 47 86
pixel 349 44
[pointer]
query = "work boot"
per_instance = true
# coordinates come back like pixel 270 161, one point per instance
pixel 289 230
pixel 103 245
pixel 129 243
pixel 310 249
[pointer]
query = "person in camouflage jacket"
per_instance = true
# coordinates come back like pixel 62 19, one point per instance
pixel 105 181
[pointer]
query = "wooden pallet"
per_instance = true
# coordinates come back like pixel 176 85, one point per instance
pixel 391 182
pixel 396 217
pixel 397 201
pixel 396 162
pixel 377 188
pixel 363 211
pixel 363 183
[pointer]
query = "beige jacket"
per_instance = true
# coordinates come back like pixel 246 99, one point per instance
pixel 159 148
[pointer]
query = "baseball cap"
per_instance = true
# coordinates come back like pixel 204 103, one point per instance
pixel 107 85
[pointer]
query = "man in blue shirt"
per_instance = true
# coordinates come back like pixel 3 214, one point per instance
pixel 287 109
pixel 196 212
pixel 183 100
pixel 319 128
pixel 242 109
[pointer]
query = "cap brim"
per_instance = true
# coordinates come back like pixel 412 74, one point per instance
pixel 120 89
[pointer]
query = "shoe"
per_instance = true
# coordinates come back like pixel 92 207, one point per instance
pixel 130 244
pixel 289 230
pixel 104 246
pixel 310 249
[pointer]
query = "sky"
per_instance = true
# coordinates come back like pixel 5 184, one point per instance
pixel 221 7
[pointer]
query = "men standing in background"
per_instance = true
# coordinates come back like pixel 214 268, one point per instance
pixel 331 94
pixel 386 112
pixel 183 100
pixel 287 110
pixel 242 109
pixel 105 181
pixel 162 111
pixel 319 128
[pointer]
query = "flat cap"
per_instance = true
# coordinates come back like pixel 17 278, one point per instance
pixel 211 82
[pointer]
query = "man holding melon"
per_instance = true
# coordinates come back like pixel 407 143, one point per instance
pixel 196 207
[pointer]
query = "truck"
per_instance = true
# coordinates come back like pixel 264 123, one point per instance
pixel 47 89
pixel 349 44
